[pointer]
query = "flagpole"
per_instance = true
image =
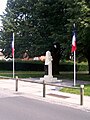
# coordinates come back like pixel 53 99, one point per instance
pixel 13 58
pixel 74 68
pixel 74 47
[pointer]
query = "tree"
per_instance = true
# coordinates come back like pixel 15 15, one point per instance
pixel 79 13
pixel 34 24
pixel 39 23
pixel 85 26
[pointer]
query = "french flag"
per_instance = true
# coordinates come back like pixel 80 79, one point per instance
pixel 74 47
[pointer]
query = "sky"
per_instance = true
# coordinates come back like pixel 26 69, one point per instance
pixel 2 7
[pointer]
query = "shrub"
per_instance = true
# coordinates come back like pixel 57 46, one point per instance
pixel 22 65
pixel 39 66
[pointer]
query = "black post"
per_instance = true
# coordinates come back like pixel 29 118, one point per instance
pixel 16 83
pixel 43 88
pixel 81 94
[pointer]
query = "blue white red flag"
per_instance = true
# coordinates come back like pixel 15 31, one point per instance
pixel 74 47
pixel 12 48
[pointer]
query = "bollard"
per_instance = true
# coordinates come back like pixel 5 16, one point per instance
pixel 16 83
pixel 43 88
pixel 81 94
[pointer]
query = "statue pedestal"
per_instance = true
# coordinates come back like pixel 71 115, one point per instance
pixel 48 78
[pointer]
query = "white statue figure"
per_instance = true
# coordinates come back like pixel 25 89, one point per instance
pixel 48 61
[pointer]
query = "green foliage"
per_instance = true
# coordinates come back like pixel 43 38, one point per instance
pixel 82 67
pixel 22 65
pixel 69 66
pixel 38 23
pixel 39 66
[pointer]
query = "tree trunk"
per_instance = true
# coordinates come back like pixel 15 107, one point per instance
pixel 55 67
pixel 56 55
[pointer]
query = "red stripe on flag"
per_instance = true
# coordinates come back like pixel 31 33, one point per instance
pixel 12 48
pixel 73 43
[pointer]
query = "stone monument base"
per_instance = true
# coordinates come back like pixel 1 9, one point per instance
pixel 48 78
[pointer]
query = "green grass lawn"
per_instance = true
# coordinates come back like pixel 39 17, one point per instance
pixel 83 76
pixel 77 91
pixel 22 74
pixel 79 76
pixel 63 75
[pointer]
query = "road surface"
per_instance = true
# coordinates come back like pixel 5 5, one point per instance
pixel 22 108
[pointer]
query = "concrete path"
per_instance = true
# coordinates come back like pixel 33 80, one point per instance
pixel 35 91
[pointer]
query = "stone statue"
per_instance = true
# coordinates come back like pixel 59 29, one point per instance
pixel 48 63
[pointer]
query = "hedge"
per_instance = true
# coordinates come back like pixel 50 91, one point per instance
pixel 39 66
pixel 22 65
pixel 66 67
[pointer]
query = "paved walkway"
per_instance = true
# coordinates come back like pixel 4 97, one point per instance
pixel 35 91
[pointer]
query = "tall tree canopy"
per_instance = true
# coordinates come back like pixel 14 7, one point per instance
pixel 36 23
pixel 39 23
